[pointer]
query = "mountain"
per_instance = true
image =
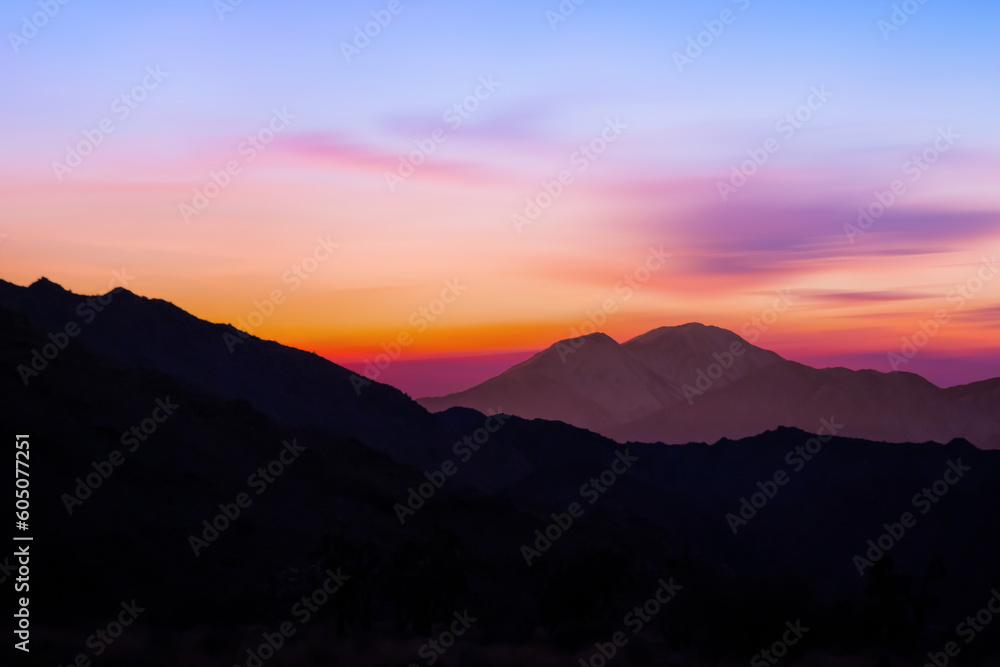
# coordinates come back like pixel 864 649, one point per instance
pixel 697 383
pixel 683 351
pixel 300 388
pixel 200 517
pixel 592 383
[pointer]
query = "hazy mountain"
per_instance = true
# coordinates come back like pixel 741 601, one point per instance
pixel 592 383
pixel 696 383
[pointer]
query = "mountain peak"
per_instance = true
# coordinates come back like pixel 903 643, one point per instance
pixel 125 293
pixel 46 286
pixel 598 337
pixel 691 331
pixel 693 336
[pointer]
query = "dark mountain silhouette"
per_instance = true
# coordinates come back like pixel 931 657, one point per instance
pixel 302 388
pixel 669 516
pixel 702 383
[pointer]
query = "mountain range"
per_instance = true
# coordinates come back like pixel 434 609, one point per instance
pixel 697 383
pixel 436 514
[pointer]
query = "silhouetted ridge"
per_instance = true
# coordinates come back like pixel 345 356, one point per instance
pixel 699 383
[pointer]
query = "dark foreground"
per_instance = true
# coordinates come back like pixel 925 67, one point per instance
pixel 196 506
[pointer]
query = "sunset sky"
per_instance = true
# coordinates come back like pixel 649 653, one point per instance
pixel 117 117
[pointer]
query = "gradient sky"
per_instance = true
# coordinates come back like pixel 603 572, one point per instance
pixel 558 85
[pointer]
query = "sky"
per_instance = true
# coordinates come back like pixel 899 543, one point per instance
pixel 455 186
